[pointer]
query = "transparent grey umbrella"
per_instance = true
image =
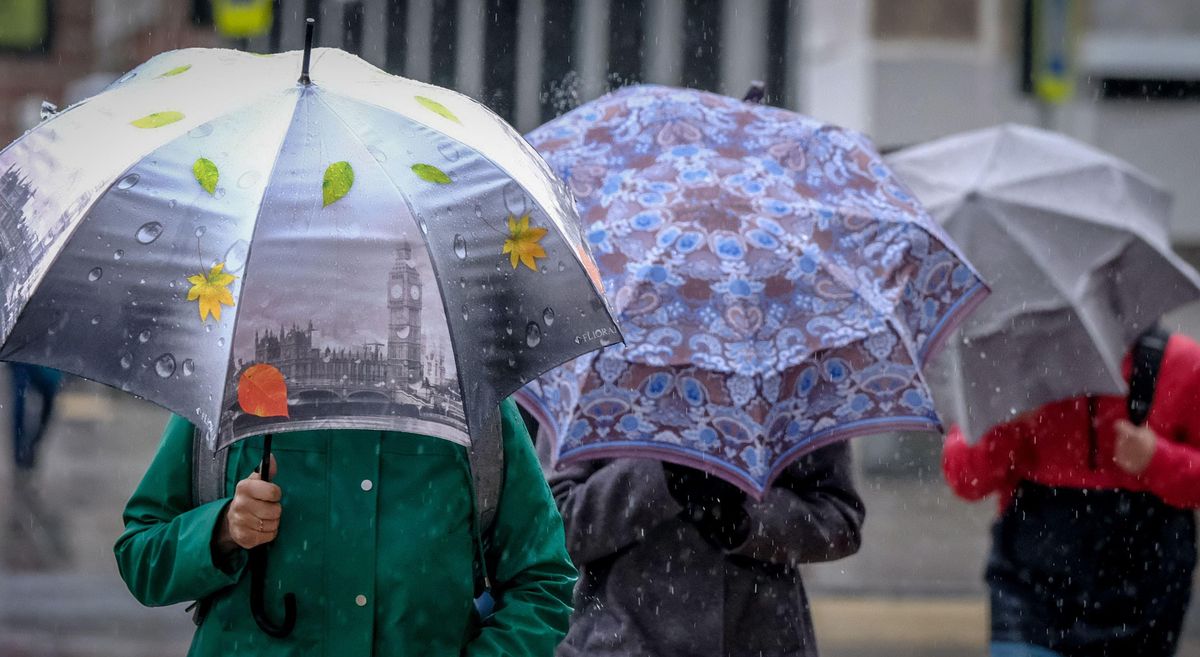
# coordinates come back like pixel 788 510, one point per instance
pixel 1074 244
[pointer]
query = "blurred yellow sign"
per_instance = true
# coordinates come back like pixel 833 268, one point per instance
pixel 24 24
pixel 242 19
pixel 1055 26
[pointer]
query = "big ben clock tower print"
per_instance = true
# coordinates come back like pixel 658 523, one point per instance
pixel 404 318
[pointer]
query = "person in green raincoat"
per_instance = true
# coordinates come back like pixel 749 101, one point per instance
pixel 372 531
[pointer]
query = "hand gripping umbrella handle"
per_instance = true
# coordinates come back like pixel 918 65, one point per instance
pixel 258 574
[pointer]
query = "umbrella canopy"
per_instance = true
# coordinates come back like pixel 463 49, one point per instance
pixel 778 287
pixel 1074 244
pixel 261 255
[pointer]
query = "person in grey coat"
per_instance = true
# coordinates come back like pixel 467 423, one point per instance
pixel 674 563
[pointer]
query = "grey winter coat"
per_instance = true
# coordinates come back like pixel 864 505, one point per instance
pixel 651 586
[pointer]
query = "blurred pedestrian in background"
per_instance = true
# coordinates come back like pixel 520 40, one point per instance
pixel 44 383
pixel 676 562
pixel 1095 544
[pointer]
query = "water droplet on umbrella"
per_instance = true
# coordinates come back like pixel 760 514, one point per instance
pixel 379 155
pixel 421 223
pixel 460 247
pixel 220 193
pixel 118 254
pixel 95 274
pixel 171 204
pixel 235 257
pixel 189 366
pixel 149 232
pixel 249 179
pixel 128 181
pixel 165 365
pixel 200 230
pixel 512 362
pixel 561 266
pixel 200 131
pixel 548 316
pixel 126 361
pixel 515 201
pixel 533 334
pixel 208 328
pixel 462 282
pixel 144 336
pixel 465 313
pixel 508 328
pixel 95 320
pixel 220 342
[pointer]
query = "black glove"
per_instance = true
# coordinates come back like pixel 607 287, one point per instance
pixel 714 506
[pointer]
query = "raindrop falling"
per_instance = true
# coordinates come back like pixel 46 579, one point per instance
pixel 95 274
pixel 128 181
pixel 149 232
pixel 200 230
pixel 200 131
pixel 448 151
pixel 548 316
pixel 460 247
pixel 249 179
pixel 126 361
pixel 508 328
pixel 189 366
pixel 144 336
pixel 165 365
pixel 235 257
pixel 533 334
pixel 118 254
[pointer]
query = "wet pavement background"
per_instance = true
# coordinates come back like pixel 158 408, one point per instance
pixel 914 589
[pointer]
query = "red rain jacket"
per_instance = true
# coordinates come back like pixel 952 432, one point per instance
pixel 1051 445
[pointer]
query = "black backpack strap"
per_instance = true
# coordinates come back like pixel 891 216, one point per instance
pixel 486 456
pixel 208 484
pixel 1147 359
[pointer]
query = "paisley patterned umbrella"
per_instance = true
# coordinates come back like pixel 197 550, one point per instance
pixel 261 255
pixel 778 288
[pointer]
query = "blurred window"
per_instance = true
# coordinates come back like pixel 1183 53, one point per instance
pixel 26 25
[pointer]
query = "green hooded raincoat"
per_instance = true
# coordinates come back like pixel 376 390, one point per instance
pixel 376 541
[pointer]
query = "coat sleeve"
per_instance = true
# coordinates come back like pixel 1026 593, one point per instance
pixel 607 505
pixel 1173 473
pixel 975 471
pixel 165 555
pixel 811 514
pixel 533 578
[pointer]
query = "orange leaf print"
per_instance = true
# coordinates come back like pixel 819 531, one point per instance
pixel 262 391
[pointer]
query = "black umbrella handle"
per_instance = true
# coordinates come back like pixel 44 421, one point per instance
pixel 258 574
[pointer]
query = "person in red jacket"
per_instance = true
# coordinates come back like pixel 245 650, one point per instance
pixel 1095 544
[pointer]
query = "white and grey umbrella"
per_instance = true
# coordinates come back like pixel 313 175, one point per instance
pixel 261 254
pixel 1074 244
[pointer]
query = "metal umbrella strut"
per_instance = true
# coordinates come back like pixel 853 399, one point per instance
pixel 1073 242
pixel 778 287
pixel 354 250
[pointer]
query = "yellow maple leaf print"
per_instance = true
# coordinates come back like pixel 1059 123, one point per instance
pixel 523 242
pixel 211 290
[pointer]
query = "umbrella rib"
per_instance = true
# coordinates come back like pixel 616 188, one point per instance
pixel 1022 239
pixel 237 308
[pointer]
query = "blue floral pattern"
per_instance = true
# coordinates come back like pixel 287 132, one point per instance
pixel 777 286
